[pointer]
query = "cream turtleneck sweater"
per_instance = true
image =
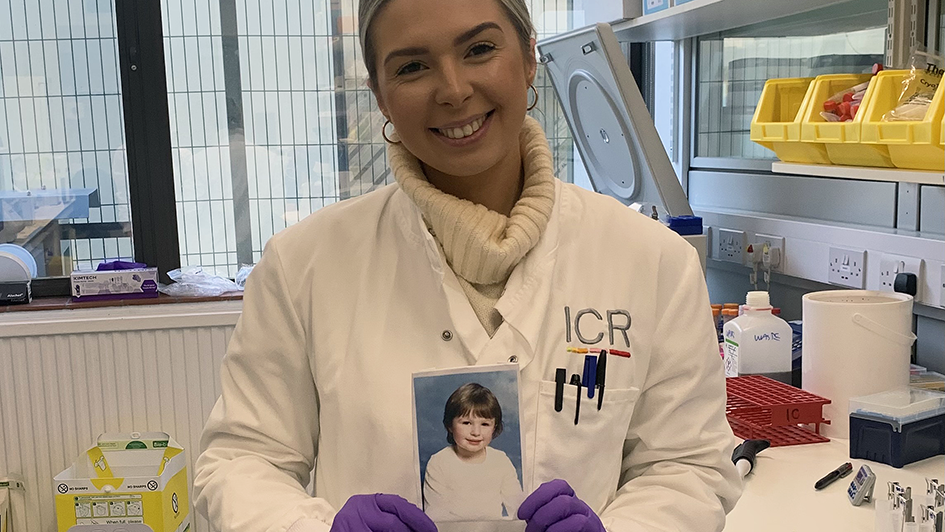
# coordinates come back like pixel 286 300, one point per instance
pixel 482 246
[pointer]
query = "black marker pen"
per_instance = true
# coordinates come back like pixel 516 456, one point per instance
pixel 576 380
pixel 830 477
pixel 560 375
pixel 601 372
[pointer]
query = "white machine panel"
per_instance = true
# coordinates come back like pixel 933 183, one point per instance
pixel 609 120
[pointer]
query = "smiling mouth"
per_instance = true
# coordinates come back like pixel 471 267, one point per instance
pixel 465 131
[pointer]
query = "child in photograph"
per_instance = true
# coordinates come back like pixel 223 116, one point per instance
pixel 468 480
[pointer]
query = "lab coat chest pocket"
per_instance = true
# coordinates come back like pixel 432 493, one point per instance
pixel 587 455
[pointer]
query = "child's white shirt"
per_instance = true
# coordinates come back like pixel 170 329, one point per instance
pixel 454 490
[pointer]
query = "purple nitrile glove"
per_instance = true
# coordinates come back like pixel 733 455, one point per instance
pixel 553 507
pixel 381 512
pixel 119 265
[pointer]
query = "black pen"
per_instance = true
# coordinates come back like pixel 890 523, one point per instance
pixel 560 375
pixel 839 472
pixel 576 380
pixel 601 371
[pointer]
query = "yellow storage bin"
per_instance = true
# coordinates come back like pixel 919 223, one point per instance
pixel 912 144
pixel 841 139
pixel 776 124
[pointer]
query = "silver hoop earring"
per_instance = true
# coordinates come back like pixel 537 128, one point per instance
pixel 535 103
pixel 384 133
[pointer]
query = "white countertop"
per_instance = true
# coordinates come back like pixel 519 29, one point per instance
pixel 779 493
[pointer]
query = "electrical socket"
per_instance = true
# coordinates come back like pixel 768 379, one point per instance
pixel 731 245
pixel 941 282
pixel 890 265
pixel 773 241
pixel 846 267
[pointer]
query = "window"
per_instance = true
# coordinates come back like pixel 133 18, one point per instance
pixel 244 173
pixel 63 171
pixel 732 72
pixel 663 106
pixel 269 116
pixel 302 129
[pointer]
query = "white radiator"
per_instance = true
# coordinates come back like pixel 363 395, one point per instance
pixel 67 376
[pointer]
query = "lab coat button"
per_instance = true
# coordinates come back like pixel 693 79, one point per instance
pixel 513 359
pixel 446 336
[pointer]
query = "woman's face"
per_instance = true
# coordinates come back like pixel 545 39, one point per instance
pixel 453 79
pixel 472 434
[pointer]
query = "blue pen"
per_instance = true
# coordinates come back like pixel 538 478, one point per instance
pixel 590 375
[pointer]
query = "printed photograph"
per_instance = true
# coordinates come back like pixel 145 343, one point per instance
pixel 469 443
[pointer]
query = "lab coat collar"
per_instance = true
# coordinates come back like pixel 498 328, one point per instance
pixel 414 230
pixel 527 292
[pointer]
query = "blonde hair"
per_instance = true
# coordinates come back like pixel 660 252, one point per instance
pixel 368 10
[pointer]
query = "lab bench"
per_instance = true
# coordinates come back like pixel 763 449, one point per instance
pixel 779 493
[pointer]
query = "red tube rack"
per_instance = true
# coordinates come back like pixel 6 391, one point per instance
pixel 761 408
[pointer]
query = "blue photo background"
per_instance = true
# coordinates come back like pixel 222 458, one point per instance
pixel 431 394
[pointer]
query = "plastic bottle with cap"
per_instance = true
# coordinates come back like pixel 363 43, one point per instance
pixel 758 342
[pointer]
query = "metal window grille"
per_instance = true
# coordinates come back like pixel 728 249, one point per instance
pixel 306 123
pixel 61 125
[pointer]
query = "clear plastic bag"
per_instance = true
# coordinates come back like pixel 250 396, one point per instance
pixel 925 73
pixel 843 106
pixel 192 281
pixel 243 274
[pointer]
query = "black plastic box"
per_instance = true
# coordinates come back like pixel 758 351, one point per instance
pixel 874 438
pixel 15 292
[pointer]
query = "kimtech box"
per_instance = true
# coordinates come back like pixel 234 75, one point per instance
pixel 133 482
pixel 114 284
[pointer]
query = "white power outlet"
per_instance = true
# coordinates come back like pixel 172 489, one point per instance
pixel 891 265
pixel 731 245
pixel 941 282
pixel 773 241
pixel 846 267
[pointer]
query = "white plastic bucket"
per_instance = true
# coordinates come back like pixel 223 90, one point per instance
pixel 856 342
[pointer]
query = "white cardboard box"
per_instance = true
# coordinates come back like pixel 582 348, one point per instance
pixel 114 284
pixel 598 11
pixel 135 481
pixel 654 6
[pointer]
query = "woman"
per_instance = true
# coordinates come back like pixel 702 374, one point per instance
pixel 478 255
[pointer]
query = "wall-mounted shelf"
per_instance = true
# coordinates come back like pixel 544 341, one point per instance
pixel 860 172
pixel 703 17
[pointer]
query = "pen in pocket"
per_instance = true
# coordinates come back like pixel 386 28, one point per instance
pixel 590 375
pixel 560 375
pixel 601 372
pixel 576 381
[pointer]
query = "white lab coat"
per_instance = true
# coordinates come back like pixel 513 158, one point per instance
pixel 346 304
